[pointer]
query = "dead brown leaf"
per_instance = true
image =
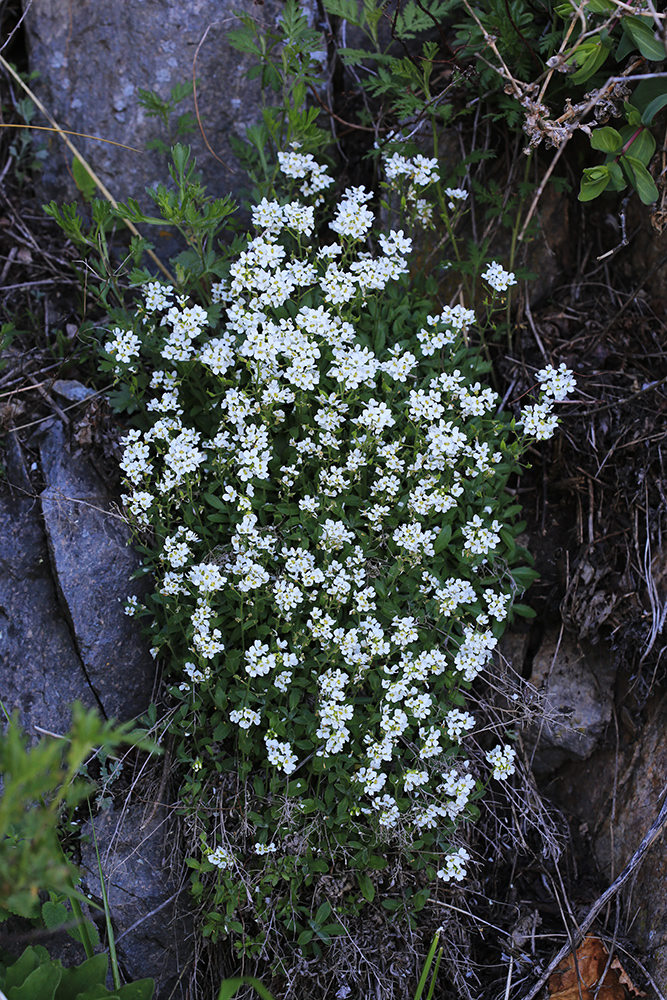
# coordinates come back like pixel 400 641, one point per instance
pixel 624 978
pixel 581 982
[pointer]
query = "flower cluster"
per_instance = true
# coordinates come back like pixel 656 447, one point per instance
pixel 455 866
pixel 502 760
pixel 499 279
pixel 335 566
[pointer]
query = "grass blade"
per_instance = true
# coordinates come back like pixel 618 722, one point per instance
pixel 115 971
pixel 427 966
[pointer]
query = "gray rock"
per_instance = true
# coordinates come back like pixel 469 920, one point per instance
pixel 41 673
pixel 94 57
pixel 576 684
pixel 640 794
pixel 92 564
pixel 151 924
pixel 72 390
pixel 614 797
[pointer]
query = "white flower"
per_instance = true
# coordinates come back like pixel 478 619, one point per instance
pixel 283 680
pixel 538 421
pixel 335 535
pixel 245 718
pixel 124 346
pixel 455 866
pixel 497 604
pixel 415 539
pixel 372 780
pixel 157 296
pixel 309 504
pixel 456 194
pixel 458 723
pixel 413 779
pixel 557 383
pixel 498 278
pixel 268 215
pixel 280 754
pixel 265 848
pixel 352 218
pixel 479 539
pixel 473 653
pixel 388 810
pixel 502 760
pixel 195 675
pixel 220 857
pixel 419 169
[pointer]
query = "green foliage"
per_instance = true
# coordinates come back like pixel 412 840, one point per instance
pixel 518 49
pixel 83 180
pixel 27 151
pixel 175 129
pixel 56 915
pixel 185 206
pixel 8 332
pixel 628 153
pixel 288 67
pixel 40 782
pixel 34 974
pixel 230 987
pixel 289 487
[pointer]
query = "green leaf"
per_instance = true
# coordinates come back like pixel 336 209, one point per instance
pixel 618 181
pixel 593 182
pixel 640 179
pixel 323 912
pixel 82 179
pixel 594 55
pixel 92 972
pixel 26 964
pixel 625 47
pixel 93 934
pixel 643 143
pixel 213 501
pixel 347 9
pixel 419 899
pixel 230 987
pixel 523 611
pixel 377 863
pixel 442 541
pixel 392 904
pixel 642 34
pixel 97 993
pixel 42 982
pixel 607 139
pixel 143 989
pixel 304 937
pixel 366 886
pixel 54 914
pixel 647 91
pixel 652 109
pixel 523 576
